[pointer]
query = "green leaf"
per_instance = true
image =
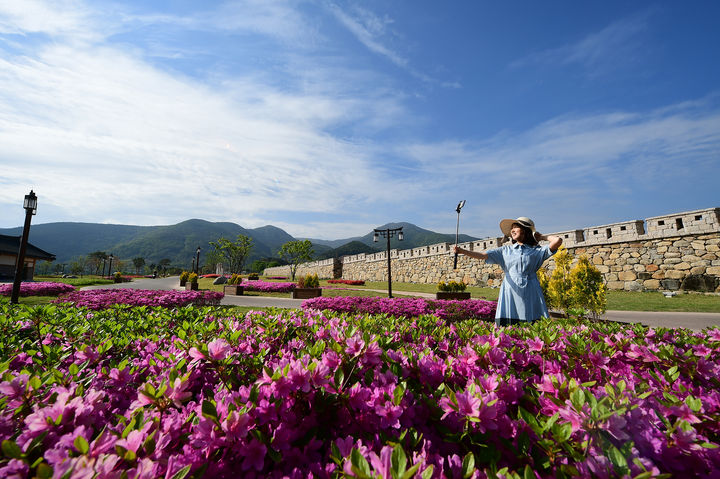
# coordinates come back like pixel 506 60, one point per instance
pixel 398 394
pixel 428 472
pixel 339 377
pixel 209 410
pixel 468 465
pixel 398 462
pixel 695 404
pixel 578 398
pixel 616 457
pixel 360 465
pixel 44 471
pixel 11 449
pixel 81 445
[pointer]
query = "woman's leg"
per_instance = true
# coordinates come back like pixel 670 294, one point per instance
pixel 506 321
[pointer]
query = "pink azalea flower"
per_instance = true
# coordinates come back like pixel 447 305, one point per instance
pixel 354 345
pixel 218 349
pixel 382 464
pixel 177 393
pixel 254 456
pixel 535 344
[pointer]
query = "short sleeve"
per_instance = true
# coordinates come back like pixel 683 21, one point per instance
pixel 495 256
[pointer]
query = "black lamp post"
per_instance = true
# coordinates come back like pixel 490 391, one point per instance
pixel 110 267
pixel 197 261
pixel 389 233
pixel 103 270
pixel 30 205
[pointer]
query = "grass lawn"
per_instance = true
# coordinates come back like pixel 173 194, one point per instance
pixel 89 280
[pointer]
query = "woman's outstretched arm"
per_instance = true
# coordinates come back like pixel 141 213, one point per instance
pixel 472 254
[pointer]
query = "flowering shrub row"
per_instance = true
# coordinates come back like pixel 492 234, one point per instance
pixel 405 307
pixel 146 393
pixel 104 298
pixel 353 282
pixel 41 288
pixel 268 286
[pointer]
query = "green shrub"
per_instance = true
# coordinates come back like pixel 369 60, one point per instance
pixel 253 276
pixel 573 290
pixel 184 276
pixel 117 277
pixel 309 281
pixel 193 278
pixel 235 279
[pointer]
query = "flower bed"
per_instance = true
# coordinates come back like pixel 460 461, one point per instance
pixel 405 307
pixel 105 298
pixel 41 288
pixel 353 282
pixel 268 286
pixel 169 393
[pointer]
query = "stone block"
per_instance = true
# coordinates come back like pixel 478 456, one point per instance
pixel 651 267
pixel 644 276
pixel 670 284
pixel 616 284
pixel 714 270
pixel 653 284
pixel 658 275
pixel 633 286
pixel 698 270
pixel 673 274
pixel 682 266
pixel 627 276
pixel 700 282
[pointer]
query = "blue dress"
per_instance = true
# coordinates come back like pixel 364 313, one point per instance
pixel 521 296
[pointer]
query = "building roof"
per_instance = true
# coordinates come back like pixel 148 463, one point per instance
pixel 11 245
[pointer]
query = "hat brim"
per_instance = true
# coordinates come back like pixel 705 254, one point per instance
pixel 506 225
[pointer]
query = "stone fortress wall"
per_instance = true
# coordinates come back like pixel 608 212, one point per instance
pixel 669 252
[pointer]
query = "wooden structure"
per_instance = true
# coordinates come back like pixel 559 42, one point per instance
pixel 9 248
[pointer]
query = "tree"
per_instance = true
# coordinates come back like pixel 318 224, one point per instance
pixel 163 264
pixel 138 262
pixel 232 253
pixel 296 252
pixel 96 259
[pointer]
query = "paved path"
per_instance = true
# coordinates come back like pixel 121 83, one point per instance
pixel 694 321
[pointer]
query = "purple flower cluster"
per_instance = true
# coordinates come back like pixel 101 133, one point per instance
pixel 405 307
pixel 310 394
pixel 41 288
pixel 268 286
pixel 105 298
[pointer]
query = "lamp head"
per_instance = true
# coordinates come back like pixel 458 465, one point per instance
pixel 375 237
pixel 30 203
pixel 460 205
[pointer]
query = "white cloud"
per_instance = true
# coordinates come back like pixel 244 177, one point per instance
pixel 601 52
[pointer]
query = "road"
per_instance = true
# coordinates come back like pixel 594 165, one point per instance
pixel 694 321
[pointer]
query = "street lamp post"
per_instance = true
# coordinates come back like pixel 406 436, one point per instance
pixel 30 205
pixel 197 261
pixel 103 270
pixel 110 267
pixel 389 233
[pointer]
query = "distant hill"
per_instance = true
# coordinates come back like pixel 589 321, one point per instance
pixel 351 248
pixel 414 237
pixel 68 241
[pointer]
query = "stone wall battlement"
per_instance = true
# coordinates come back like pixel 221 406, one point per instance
pixel 677 251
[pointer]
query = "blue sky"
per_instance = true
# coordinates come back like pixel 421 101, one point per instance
pixel 328 118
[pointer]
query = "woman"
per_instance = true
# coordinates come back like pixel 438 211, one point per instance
pixel 521 297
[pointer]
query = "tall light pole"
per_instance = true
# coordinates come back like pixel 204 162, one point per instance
pixel 110 267
pixel 197 261
pixel 30 205
pixel 388 233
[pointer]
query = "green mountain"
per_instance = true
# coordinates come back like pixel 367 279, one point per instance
pixel 68 241
pixel 351 248
pixel 414 237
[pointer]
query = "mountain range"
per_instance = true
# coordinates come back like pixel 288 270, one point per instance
pixel 179 242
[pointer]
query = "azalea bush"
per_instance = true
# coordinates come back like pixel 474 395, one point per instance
pixel 353 282
pixel 103 298
pixel 41 288
pixel 405 307
pixel 268 286
pixel 190 392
